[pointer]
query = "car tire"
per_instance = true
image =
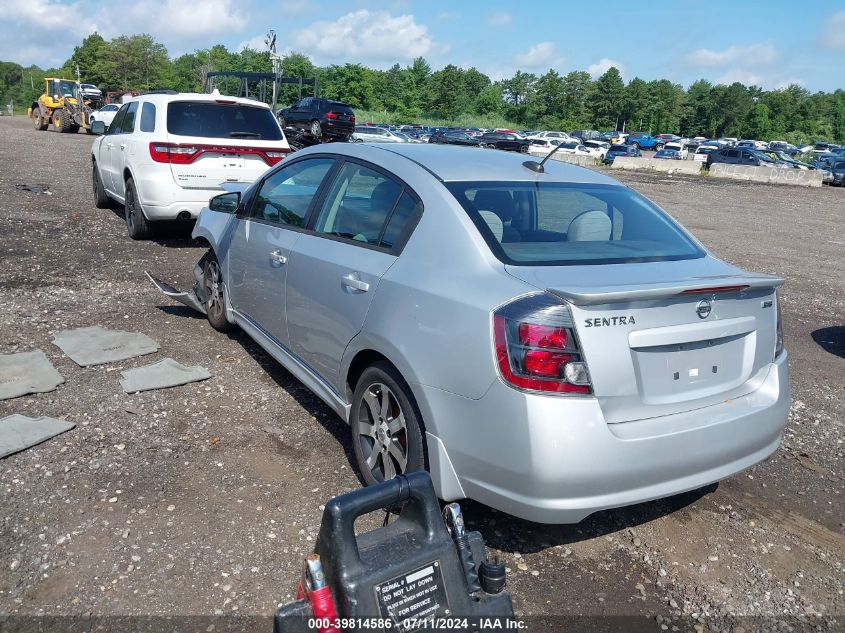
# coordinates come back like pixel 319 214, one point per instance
pixel 215 295
pixel 635 145
pixel 137 225
pixel 101 200
pixel 523 149
pixel 316 129
pixel 658 147
pixel 490 146
pixel 386 426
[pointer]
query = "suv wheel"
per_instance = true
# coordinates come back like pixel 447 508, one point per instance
pixel 387 435
pixel 635 145
pixel 215 297
pixel 101 200
pixel 316 129
pixel 137 225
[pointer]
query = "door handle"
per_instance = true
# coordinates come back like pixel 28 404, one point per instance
pixel 351 281
pixel 109 145
pixel 122 146
pixel 277 259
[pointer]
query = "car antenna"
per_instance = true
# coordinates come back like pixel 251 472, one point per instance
pixel 533 165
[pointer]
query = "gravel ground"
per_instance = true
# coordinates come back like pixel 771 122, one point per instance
pixel 203 499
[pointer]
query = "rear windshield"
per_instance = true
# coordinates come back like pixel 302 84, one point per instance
pixel 219 120
pixel 339 106
pixel 560 224
pixel 618 148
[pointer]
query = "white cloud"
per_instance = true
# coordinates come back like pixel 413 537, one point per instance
pixel 603 65
pixel 750 55
pixel 502 18
pixel 833 35
pixel 255 43
pixel 173 19
pixel 47 14
pixel 742 76
pixel 365 36
pixel 539 55
pixel 448 16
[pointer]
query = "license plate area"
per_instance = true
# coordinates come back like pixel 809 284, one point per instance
pixel 680 372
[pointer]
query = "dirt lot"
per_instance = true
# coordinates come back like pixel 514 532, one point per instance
pixel 203 499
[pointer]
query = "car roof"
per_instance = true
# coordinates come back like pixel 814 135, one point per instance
pixel 451 163
pixel 169 97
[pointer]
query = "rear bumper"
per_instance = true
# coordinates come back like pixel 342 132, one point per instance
pixel 162 199
pixel 337 128
pixel 555 460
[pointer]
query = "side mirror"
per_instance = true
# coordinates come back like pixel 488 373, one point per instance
pixel 226 202
pixel 98 128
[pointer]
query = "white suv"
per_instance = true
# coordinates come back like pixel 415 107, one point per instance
pixel 165 154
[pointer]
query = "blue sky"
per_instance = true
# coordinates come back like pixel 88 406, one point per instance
pixel 769 43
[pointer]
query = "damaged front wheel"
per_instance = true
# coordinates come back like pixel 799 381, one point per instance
pixel 215 298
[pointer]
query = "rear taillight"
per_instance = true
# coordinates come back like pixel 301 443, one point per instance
pixel 352 118
pixel 186 154
pixel 537 349
pixel 331 115
pixel 779 328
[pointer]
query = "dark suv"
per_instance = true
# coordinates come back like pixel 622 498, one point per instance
pixel 505 140
pixel 319 117
pixel 739 156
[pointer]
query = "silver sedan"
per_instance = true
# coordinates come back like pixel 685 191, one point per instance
pixel 543 340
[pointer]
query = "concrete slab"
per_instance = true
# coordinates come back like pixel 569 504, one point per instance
pixel 772 175
pixel 95 346
pixel 573 159
pixel 27 372
pixel 165 373
pixel 18 432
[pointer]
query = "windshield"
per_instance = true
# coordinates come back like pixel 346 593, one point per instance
pixel 63 88
pixel 560 224
pixel 208 119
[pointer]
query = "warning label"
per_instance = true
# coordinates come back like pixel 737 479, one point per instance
pixel 416 595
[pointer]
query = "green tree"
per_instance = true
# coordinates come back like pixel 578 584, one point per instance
pixel 637 99
pixel 135 62
pixel 351 83
pixel 446 92
pixel 606 99
pixel 575 89
pixel 92 58
pixel 697 113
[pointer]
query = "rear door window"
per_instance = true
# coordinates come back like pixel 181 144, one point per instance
pixel 148 118
pixel 285 196
pixel 207 119
pixel 367 207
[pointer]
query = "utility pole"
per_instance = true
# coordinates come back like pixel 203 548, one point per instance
pixel 270 41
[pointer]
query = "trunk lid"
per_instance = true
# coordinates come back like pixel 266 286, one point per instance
pixel 235 141
pixel 658 339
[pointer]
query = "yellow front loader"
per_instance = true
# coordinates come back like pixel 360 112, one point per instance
pixel 64 105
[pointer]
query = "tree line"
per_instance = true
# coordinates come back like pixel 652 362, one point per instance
pixel 409 93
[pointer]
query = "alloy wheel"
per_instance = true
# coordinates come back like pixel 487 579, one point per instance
pixel 214 290
pixel 382 432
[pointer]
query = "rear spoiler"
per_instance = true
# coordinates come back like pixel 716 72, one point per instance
pixel 700 286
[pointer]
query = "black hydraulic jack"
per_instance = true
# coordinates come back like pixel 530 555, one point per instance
pixel 423 571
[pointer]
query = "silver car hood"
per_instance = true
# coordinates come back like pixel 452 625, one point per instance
pixel 617 283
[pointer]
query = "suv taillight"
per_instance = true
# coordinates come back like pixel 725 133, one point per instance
pixel 186 154
pixel 537 349
pixel 352 118
pixel 331 115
